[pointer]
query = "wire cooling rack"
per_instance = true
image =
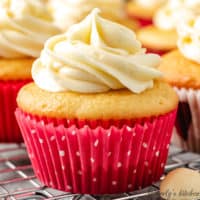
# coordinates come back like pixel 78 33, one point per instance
pixel 18 182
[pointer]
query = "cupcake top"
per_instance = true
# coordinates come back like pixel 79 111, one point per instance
pixel 149 3
pixel 97 70
pixel 25 25
pixel 168 16
pixel 95 56
pixel 189 38
pixel 68 12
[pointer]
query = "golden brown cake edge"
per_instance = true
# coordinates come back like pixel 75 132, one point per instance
pixel 120 104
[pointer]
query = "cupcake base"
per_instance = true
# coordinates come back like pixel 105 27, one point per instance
pixel 9 130
pixel 97 157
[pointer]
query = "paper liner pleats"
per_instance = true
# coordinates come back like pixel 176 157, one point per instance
pixel 187 132
pixel 97 157
pixel 9 130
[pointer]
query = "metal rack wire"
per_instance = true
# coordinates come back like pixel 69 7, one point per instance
pixel 18 182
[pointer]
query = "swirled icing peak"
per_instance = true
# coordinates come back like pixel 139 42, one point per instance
pixel 25 25
pixel 172 13
pixel 189 38
pixel 69 12
pixel 95 55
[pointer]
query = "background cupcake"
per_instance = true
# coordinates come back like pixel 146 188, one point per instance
pixel 24 27
pixel 182 70
pixel 161 37
pixel 143 10
pixel 84 131
pixel 67 12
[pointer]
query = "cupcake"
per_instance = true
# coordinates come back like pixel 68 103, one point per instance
pixel 24 27
pixel 67 12
pixel 143 10
pixel 98 119
pixel 182 70
pixel 161 37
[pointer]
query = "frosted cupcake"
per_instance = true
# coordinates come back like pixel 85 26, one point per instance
pixel 97 119
pixel 161 37
pixel 24 28
pixel 143 10
pixel 183 73
pixel 68 12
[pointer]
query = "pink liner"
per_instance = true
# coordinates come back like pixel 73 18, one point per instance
pixel 159 52
pixel 9 130
pixel 142 22
pixel 192 142
pixel 116 159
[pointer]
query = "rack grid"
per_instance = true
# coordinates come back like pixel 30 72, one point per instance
pixel 18 182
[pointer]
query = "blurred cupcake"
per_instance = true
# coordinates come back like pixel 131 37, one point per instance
pixel 68 12
pixel 162 37
pixel 143 10
pixel 182 70
pixel 24 27
pixel 97 119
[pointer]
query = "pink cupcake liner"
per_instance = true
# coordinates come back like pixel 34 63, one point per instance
pixel 159 52
pixel 187 132
pixel 142 22
pixel 9 130
pixel 97 157
pixel 145 22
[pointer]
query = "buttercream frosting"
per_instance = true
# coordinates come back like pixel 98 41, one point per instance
pixel 189 38
pixel 94 56
pixel 25 25
pixel 68 12
pixel 172 13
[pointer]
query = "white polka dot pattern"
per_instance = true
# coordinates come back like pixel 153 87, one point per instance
pixel 41 141
pixel 70 157
pixel 145 145
pixel 96 143
pixel 61 153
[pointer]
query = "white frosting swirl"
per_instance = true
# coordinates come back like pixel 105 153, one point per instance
pixel 150 3
pixel 95 55
pixel 171 14
pixel 189 38
pixel 69 12
pixel 25 25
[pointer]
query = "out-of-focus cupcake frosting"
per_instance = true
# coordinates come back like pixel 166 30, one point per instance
pixel 95 55
pixel 25 25
pixel 150 3
pixel 172 13
pixel 68 12
pixel 189 38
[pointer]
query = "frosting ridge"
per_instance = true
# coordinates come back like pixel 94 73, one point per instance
pixel 25 25
pixel 174 11
pixel 95 55
pixel 189 38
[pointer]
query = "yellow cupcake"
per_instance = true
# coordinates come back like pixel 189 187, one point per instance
pixel 24 28
pixel 98 100
pixel 162 36
pixel 181 69
pixel 143 10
